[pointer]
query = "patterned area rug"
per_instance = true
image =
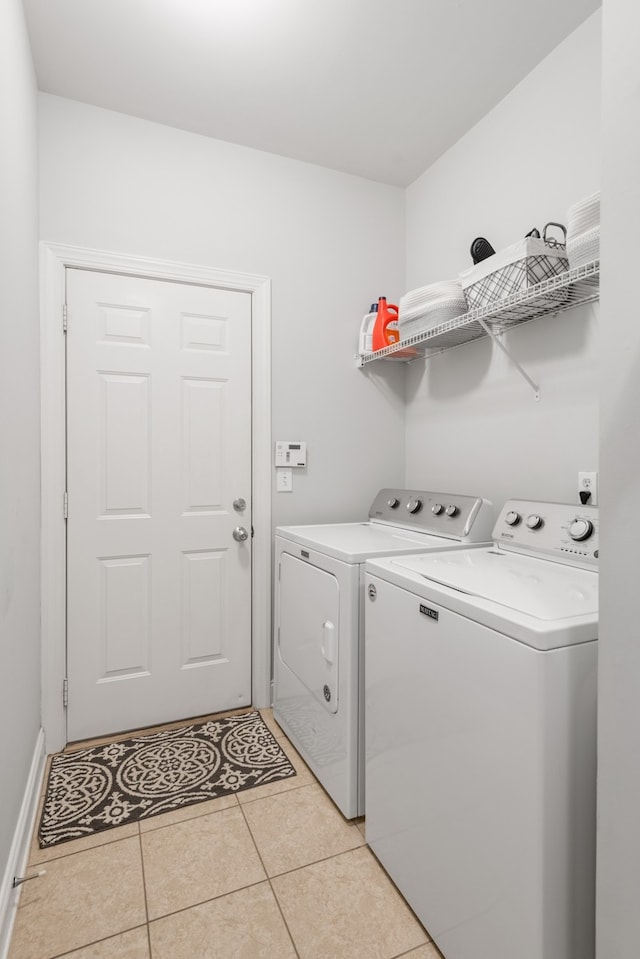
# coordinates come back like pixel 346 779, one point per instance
pixel 121 782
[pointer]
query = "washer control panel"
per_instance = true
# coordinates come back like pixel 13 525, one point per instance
pixel 455 516
pixel 565 532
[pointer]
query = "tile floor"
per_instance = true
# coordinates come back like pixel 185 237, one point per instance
pixel 274 872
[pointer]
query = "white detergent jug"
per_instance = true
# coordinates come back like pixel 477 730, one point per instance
pixel 366 330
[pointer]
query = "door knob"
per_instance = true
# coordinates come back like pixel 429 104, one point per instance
pixel 240 534
pixel 239 504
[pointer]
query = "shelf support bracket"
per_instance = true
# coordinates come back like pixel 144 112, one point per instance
pixel 523 373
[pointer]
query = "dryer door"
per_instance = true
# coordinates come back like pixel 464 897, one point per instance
pixel 309 627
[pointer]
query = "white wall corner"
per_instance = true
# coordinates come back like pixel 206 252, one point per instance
pixel 19 852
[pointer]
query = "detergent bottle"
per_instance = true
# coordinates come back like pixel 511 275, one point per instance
pixel 366 330
pixel 382 334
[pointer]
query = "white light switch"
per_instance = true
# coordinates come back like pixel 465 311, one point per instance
pixel 284 481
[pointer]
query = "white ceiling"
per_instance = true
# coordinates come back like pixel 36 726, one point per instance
pixel 378 88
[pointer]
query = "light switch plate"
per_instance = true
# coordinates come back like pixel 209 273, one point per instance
pixel 284 481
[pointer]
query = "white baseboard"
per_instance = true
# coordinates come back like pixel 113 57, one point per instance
pixel 19 851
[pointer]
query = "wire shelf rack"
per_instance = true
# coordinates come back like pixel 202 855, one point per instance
pixel 562 292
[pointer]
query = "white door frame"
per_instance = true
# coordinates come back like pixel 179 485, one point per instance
pixel 54 261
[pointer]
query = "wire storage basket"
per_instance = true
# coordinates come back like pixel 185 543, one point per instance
pixel 514 269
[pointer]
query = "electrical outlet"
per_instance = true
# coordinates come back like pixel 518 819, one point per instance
pixel 588 483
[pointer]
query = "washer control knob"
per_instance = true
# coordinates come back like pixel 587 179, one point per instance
pixel 580 530
pixel 437 508
pixel 534 521
pixel 512 518
pixel 393 503
pixel 414 505
pixel 451 511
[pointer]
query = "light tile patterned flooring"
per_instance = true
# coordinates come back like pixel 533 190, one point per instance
pixel 274 872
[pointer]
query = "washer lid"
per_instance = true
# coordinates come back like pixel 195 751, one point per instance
pixel 356 542
pixel 538 588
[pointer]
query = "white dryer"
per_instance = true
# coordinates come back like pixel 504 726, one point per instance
pixel 319 626
pixel 481 735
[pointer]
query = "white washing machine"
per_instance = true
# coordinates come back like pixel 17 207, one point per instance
pixel 481 735
pixel 318 668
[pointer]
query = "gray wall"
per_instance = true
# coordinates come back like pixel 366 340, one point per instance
pixel 330 242
pixel 19 420
pixel 618 916
pixel 472 423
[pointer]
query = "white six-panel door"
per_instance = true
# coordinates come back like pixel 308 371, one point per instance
pixel 158 450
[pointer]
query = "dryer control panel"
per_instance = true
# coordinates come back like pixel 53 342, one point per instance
pixel 563 532
pixel 452 515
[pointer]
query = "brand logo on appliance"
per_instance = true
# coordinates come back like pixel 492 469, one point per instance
pixel 507 536
pixel 427 611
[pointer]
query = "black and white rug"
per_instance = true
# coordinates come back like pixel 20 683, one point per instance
pixel 121 782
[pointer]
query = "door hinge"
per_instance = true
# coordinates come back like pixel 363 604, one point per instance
pixel 65 505
pixel 65 321
pixel 65 693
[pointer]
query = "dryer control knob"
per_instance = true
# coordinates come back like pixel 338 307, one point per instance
pixel 534 521
pixel 393 503
pixel 414 505
pixel 451 511
pixel 580 530
pixel 437 508
pixel 512 518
